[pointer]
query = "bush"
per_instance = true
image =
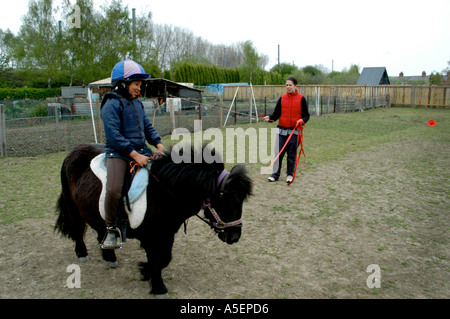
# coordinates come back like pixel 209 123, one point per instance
pixel 40 110
pixel 204 74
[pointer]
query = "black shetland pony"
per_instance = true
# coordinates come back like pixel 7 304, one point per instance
pixel 175 193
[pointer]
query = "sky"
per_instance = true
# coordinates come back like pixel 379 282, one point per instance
pixel 406 36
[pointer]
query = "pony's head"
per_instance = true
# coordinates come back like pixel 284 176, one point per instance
pixel 197 178
pixel 224 209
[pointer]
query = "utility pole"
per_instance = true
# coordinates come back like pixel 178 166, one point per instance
pixel 134 32
pixel 224 57
pixel 278 58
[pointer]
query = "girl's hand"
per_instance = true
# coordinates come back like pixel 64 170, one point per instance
pixel 140 159
pixel 160 148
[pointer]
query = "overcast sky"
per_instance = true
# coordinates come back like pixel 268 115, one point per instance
pixel 403 35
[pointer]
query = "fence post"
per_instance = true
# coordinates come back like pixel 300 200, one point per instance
pixel 221 110
pixel 318 100
pixel 2 130
pixel 250 110
pixel 235 112
pixel 334 99
pixel 99 121
pixel 413 95
pixel 172 114
pixel 58 135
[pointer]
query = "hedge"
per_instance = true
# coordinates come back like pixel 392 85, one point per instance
pixel 28 93
pixel 203 74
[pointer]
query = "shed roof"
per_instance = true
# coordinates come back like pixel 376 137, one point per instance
pixel 155 88
pixel 373 76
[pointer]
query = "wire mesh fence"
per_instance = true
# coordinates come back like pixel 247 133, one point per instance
pixel 31 136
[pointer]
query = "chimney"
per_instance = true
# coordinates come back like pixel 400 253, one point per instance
pixel 400 74
pixel 424 74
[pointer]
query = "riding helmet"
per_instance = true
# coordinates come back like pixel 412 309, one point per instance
pixel 128 70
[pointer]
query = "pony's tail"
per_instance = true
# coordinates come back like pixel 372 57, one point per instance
pixel 65 223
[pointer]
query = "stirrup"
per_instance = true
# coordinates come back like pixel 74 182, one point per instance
pixel 118 238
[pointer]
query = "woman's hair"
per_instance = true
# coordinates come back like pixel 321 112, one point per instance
pixel 291 78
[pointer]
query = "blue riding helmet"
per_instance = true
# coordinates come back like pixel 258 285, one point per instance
pixel 128 70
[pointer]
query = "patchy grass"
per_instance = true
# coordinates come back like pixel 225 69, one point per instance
pixel 29 187
pixel 375 190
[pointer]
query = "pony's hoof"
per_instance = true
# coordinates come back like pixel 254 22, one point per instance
pixel 84 259
pixel 112 264
pixel 162 296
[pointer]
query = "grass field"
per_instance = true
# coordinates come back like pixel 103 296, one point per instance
pixel 375 190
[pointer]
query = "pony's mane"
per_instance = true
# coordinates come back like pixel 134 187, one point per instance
pixel 191 176
pixel 240 181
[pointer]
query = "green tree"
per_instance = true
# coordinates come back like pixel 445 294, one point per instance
pixel 436 79
pixel 5 54
pixel 249 67
pixel 285 69
pixel 114 41
pixel 80 43
pixel 346 77
pixel 38 38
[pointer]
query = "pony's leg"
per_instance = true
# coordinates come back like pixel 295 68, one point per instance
pixel 158 286
pixel 159 255
pixel 81 250
pixel 79 227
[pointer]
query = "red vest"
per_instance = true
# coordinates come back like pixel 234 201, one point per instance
pixel 291 109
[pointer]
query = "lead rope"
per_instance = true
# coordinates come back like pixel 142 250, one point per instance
pixel 299 139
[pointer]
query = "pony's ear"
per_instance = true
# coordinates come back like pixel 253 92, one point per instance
pixel 240 181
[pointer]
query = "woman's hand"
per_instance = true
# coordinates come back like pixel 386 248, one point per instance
pixel 300 122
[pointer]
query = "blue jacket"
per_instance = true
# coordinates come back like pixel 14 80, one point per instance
pixel 127 127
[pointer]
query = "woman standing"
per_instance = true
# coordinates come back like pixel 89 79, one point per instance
pixel 291 109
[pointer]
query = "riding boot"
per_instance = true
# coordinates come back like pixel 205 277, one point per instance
pixel 113 239
pixel 110 241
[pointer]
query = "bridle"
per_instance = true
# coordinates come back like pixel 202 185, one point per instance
pixel 219 226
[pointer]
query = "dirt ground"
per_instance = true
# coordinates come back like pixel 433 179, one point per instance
pixel 386 206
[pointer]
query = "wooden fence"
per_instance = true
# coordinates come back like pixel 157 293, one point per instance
pixel 398 95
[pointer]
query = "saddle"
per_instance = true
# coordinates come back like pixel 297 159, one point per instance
pixel 135 200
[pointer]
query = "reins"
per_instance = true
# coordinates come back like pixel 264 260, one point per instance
pixel 302 151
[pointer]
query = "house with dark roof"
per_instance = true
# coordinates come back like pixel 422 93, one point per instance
pixel 373 76
pixel 410 79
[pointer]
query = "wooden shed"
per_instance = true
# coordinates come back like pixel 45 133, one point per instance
pixel 159 89
pixel 373 76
